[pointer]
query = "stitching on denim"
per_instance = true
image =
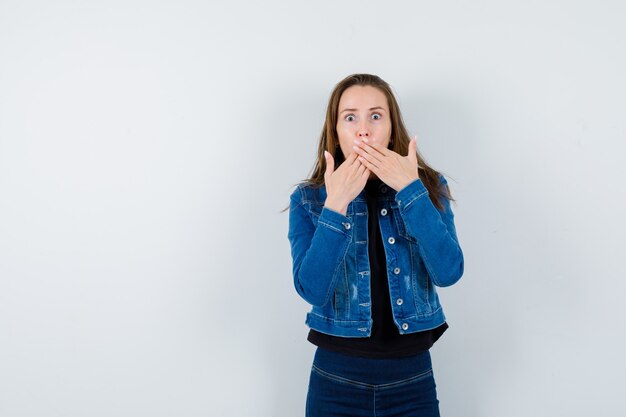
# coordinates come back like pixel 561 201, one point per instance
pixel 333 320
pixel 431 271
pixel 372 386
pixel 301 192
pixel 427 264
pixel 426 291
pixel 298 201
pixel 333 227
pixel 347 298
pixel 401 225
pixel 331 287
pixel 342 379
pixel 405 381
pixel 374 403
pixel 397 221
pixel 422 316
pixel 415 198
pixel 413 280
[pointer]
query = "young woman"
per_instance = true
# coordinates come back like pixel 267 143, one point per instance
pixel 372 234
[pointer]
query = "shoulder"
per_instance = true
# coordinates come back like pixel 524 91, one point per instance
pixel 308 191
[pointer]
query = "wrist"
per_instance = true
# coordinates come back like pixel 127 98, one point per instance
pixel 336 205
pixel 407 183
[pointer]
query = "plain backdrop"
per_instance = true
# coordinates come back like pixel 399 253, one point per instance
pixel 147 148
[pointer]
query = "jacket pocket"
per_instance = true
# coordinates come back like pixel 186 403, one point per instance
pixel 341 297
pixel 399 223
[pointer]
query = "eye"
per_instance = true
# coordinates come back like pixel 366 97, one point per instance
pixel 376 114
pixel 347 118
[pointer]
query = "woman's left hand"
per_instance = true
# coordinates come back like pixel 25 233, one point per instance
pixel 393 169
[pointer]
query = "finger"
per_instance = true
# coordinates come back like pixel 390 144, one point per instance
pixel 372 158
pixel 348 161
pixel 361 169
pixel 412 147
pixel 330 164
pixel 373 152
pixel 412 152
pixel 380 148
pixel 369 165
pixel 353 162
pixel 357 166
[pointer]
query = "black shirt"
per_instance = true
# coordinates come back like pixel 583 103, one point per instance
pixel 385 340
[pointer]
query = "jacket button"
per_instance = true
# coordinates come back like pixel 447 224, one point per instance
pixel 383 212
pixel 391 240
pixel 399 302
pixel 405 326
pixel 346 225
pixel 383 189
pixel 396 271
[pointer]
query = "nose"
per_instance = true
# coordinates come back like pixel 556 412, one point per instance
pixel 363 130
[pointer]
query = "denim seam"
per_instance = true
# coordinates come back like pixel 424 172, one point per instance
pixel 406 381
pixel 431 271
pixel 331 288
pixel 417 316
pixel 347 322
pixel 302 196
pixel 374 403
pixel 367 385
pixel 414 281
pixel 413 199
pixel 340 379
pixel 334 228
pixel 333 320
pixel 401 226
pixel 348 298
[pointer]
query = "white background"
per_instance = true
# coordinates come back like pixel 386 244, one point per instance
pixel 147 148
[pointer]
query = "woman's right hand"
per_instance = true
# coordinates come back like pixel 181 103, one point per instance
pixel 344 183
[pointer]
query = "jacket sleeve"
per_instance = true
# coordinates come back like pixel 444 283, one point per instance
pixel 434 231
pixel 317 252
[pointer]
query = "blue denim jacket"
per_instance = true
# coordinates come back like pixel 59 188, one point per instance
pixel 331 260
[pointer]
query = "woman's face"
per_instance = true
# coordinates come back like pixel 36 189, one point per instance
pixel 363 112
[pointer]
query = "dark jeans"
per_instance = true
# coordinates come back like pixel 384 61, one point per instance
pixel 346 385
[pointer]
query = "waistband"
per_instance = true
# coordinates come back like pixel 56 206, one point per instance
pixel 372 370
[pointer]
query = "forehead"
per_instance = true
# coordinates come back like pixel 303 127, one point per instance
pixel 362 96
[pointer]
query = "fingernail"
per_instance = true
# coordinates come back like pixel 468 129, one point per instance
pixel 365 140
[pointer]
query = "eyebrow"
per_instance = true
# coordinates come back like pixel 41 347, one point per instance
pixel 373 108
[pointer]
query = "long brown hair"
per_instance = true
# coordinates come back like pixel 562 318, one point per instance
pixel 399 141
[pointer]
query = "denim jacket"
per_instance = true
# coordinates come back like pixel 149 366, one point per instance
pixel 331 262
